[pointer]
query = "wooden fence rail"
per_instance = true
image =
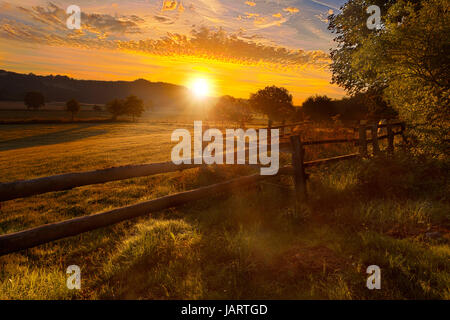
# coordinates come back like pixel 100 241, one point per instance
pixel 35 236
pixel 26 188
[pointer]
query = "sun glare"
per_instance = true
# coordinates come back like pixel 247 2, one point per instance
pixel 200 87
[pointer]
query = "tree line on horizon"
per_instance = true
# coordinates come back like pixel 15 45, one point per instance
pixel 130 106
pixel 277 105
pixel 274 102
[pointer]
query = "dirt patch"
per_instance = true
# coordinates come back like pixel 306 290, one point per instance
pixel 435 232
pixel 302 260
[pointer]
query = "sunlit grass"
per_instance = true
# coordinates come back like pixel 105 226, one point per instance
pixel 249 245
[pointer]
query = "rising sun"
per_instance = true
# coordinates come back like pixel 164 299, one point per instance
pixel 200 87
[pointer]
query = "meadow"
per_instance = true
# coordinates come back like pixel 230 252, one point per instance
pixel 391 212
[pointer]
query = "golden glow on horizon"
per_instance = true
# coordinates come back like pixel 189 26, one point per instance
pixel 238 80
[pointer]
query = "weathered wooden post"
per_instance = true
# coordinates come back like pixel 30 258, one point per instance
pixel 362 140
pixel 298 154
pixel 390 133
pixel 403 128
pixel 376 147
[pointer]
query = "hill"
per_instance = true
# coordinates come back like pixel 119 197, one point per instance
pixel 13 87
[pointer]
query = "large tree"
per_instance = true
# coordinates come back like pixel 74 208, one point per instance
pixel 275 102
pixel 406 61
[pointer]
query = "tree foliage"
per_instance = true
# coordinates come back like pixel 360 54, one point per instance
pixel 116 107
pixel 406 62
pixel 131 106
pixel 275 102
pixel 34 100
pixel 73 107
pixel 356 107
pixel 318 108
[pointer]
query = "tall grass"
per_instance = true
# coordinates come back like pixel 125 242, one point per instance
pixel 253 244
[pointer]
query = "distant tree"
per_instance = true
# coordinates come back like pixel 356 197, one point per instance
pixel 219 111
pixel 34 100
pixel 275 102
pixel 73 107
pixel 319 108
pixel 244 112
pixel 133 106
pixel 377 107
pixel 352 108
pixel 361 106
pixel 116 107
pixel 232 109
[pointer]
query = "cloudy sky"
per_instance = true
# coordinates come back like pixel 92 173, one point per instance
pixel 239 46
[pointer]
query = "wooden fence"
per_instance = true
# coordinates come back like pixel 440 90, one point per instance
pixel 20 240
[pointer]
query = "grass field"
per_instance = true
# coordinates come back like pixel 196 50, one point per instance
pixel 393 213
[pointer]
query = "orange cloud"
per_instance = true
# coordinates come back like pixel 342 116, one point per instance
pixel 250 3
pixel 291 10
pixel 169 5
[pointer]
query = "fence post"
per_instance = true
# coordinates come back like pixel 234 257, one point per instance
pixel 403 128
pixel 298 154
pixel 390 148
pixel 376 147
pixel 362 141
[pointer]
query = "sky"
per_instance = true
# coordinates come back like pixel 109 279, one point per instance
pixel 238 46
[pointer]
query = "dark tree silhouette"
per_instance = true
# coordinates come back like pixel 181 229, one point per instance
pixel 319 108
pixel 73 107
pixel 134 106
pixel 275 102
pixel 116 107
pixel 34 100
